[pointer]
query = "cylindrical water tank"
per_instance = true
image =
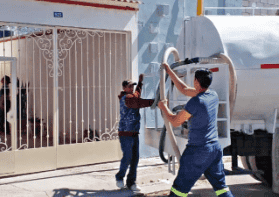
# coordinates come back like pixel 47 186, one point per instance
pixel 252 43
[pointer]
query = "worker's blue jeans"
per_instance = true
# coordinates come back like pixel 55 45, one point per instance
pixel 198 160
pixel 130 149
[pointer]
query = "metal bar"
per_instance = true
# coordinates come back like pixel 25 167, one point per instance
pixel 55 90
pixel 19 92
pixel 5 111
pixel 49 26
pixel 41 98
pixel 64 103
pixel 121 69
pixel 70 79
pixel 110 94
pixel 93 86
pixel 47 103
pixel 126 57
pixel 88 132
pixel 13 104
pixel 10 96
pixel 27 95
pixel 115 89
pixel 200 8
pixel 121 58
pixel 129 53
pixel 34 97
pixel 105 108
pixel 5 103
pixel 82 118
pixel 240 8
pixel 76 85
pixel 100 107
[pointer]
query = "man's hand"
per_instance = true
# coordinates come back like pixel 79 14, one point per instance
pixel 165 66
pixel 141 78
pixel 162 104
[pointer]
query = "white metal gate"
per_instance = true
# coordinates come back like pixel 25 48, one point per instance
pixel 65 86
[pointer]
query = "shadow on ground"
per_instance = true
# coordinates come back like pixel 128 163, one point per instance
pixel 241 190
pixel 63 192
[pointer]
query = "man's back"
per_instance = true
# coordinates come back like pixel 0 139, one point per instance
pixel 203 123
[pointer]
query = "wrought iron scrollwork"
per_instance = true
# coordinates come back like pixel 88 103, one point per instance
pixel 107 135
pixel 4 147
pixel 66 40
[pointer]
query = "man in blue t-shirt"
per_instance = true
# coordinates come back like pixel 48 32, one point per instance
pixel 203 154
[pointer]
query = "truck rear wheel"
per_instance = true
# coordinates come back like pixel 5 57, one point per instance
pixel 262 163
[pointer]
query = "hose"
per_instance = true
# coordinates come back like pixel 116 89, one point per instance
pixel 163 137
pixel 218 58
pixel 172 66
pixel 160 93
pixel 170 50
pixel 162 145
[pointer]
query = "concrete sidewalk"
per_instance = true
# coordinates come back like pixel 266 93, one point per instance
pixel 99 180
pixel 90 180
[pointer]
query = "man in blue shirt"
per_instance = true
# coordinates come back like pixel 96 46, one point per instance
pixel 203 154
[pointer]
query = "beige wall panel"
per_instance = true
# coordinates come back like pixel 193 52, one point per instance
pixel 35 160
pixel 88 153
pixel 7 160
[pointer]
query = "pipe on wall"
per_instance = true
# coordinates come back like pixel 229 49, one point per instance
pixel 200 8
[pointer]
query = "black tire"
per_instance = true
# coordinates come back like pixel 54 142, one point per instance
pixel 263 163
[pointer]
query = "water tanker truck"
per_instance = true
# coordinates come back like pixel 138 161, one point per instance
pixel 243 54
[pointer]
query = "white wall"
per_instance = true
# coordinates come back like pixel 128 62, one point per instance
pixel 22 11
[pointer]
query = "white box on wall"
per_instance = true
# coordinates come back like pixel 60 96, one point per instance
pixel 163 10
pixel 153 47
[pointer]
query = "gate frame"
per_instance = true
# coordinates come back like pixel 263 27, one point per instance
pixel 56 156
pixel 8 163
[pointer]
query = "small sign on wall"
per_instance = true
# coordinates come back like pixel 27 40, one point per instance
pixel 58 14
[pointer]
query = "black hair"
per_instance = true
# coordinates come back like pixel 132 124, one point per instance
pixel 204 77
pixel 6 79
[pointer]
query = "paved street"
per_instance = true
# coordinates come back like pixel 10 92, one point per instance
pixel 98 180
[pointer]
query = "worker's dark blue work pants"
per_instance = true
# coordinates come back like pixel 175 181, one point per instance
pixel 130 149
pixel 198 160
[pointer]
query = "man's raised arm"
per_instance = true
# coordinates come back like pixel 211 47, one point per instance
pixel 179 84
